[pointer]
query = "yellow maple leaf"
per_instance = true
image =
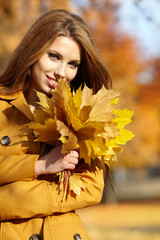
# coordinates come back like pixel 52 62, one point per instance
pixel 86 116
pixel 40 116
pixel 124 136
pixel 109 155
pixel 69 139
pixel 76 184
pixel 46 103
pixel 124 117
pixel 46 132
pixel 85 120
pixel 101 104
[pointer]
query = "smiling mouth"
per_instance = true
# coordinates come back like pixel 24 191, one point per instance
pixel 52 82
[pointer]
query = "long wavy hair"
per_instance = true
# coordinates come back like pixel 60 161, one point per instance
pixel 37 40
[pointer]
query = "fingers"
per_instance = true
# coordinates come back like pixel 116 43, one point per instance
pixel 73 155
pixel 70 160
pixel 67 165
pixel 56 161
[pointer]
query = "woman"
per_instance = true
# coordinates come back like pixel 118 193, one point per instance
pixel 58 45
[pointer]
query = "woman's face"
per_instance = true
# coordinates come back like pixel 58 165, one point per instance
pixel 61 60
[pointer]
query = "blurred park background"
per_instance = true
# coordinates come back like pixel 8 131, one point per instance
pixel 127 34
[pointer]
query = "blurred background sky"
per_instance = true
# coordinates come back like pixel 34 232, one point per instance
pixel 127 34
pixel 143 21
pixel 140 19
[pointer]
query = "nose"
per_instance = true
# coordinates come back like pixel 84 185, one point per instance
pixel 60 71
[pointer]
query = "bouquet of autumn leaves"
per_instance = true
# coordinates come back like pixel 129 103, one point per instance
pixel 85 121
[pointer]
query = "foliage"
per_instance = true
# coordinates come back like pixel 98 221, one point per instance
pixel 85 121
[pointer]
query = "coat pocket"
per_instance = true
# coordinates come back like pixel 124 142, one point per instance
pixel 64 226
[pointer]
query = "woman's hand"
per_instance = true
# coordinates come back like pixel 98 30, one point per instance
pixel 54 162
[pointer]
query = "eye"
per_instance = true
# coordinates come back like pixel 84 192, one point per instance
pixel 74 64
pixel 53 55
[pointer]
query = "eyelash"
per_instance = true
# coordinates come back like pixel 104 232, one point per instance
pixel 55 56
pixel 74 64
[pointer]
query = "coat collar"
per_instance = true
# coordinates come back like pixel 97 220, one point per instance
pixel 18 100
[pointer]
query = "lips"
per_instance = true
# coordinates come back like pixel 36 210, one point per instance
pixel 52 82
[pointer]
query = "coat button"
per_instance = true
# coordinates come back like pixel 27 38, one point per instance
pixel 35 237
pixel 5 140
pixel 77 236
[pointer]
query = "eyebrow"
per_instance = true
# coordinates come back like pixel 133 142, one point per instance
pixel 54 51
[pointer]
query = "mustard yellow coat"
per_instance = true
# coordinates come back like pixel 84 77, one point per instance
pixel 29 205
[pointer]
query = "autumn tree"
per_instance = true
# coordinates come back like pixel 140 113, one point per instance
pixel 147 127
pixel 15 19
pixel 126 64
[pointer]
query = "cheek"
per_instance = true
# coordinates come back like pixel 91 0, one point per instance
pixel 42 65
pixel 71 74
pixel 39 69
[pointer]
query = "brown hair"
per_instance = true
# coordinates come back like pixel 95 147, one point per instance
pixel 37 40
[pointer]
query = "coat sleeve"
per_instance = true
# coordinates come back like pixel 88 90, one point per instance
pixel 39 198
pixel 15 164
pixel 17 167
